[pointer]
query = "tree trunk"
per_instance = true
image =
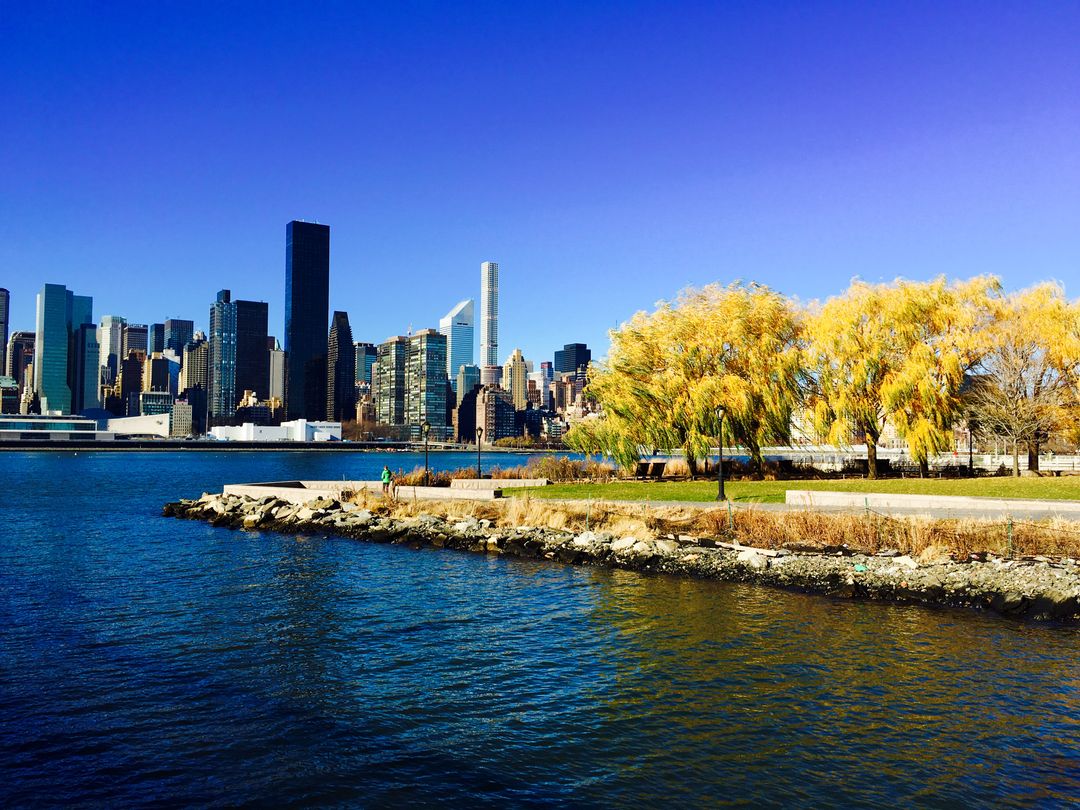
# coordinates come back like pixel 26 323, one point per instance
pixel 691 464
pixel 924 468
pixel 1016 459
pixel 1033 455
pixel 871 458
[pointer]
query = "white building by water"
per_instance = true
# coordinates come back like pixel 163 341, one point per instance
pixel 299 430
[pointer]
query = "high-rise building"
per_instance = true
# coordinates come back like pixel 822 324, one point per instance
pixel 515 380
pixel 252 357
pixel 136 338
pixel 194 370
pixel 5 318
pixel 194 380
pixel 495 414
pixel 489 318
pixel 221 361
pixel 388 384
pixel 277 372
pixel 573 358
pixel 178 334
pixel 129 382
pixel 20 356
pixel 65 372
pixel 468 378
pixel 156 373
pixel 425 383
pixel 340 371
pixel 155 338
pixel 366 355
pixel 307 304
pixel 111 342
pixel 458 325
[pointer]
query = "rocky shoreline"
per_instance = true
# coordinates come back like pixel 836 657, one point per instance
pixel 1034 588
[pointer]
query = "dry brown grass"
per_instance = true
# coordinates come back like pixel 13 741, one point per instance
pixel 763 529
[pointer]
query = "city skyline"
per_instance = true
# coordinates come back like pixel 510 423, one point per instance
pixel 796 147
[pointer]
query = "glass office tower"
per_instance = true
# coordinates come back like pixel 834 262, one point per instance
pixel 307 306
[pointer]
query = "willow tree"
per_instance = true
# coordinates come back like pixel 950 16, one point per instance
pixel 1030 374
pixel 895 352
pixel 733 348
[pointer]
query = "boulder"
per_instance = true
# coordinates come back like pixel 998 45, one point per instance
pixel 752 559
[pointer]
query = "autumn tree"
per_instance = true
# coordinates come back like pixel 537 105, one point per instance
pixel 896 352
pixel 1029 375
pixel 735 347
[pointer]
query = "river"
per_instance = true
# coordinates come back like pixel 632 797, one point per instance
pixel 148 660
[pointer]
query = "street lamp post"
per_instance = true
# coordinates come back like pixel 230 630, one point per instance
pixel 425 429
pixel 479 433
pixel 720 458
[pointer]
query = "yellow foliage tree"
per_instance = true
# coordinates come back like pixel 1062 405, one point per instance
pixel 896 352
pixel 735 347
pixel 1030 372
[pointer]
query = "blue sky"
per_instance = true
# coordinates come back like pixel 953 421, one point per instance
pixel 606 154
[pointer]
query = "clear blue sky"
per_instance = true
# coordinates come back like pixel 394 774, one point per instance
pixel 606 154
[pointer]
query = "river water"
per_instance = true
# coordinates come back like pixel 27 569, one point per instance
pixel 149 660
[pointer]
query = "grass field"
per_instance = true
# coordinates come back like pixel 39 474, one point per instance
pixel 1067 488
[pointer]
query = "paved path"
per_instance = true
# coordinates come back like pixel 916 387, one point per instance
pixel 1046 513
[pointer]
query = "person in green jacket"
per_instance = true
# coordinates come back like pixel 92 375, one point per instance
pixel 386 479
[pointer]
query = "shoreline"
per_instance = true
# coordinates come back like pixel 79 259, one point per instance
pixel 1037 588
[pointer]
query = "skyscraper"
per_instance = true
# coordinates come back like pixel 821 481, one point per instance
pixel 111 343
pixel 277 372
pixel 388 381
pixel 155 338
pixel 515 377
pixel 5 317
pixel 573 358
pixel 62 350
pixel 221 360
pixel 340 371
pixel 20 356
pixel 468 378
pixel 366 355
pixel 178 334
pixel 458 326
pixel 252 356
pixel 489 319
pixel 425 383
pixel 136 338
pixel 307 303
pixel 195 379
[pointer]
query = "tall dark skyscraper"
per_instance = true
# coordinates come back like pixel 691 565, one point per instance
pixel 573 357
pixel 155 338
pixel 178 334
pixel 5 316
pixel 307 305
pixel 340 371
pixel 221 361
pixel 252 356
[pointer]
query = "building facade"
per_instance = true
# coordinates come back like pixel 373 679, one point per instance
pixel 136 338
pixel 64 367
pixel 252 357
pixel 178 334
pixel 221 360
pixel 458 325
pixel 573 358
pixel 277 372
pixel 155 338
pixel 388 387
pixel 20 357
pixel 340 370
pixel 425 383
pixel 5 320
pixel 307 303
pixel 495 414
pixel 515 380
pixel 489 316
pixel 111 343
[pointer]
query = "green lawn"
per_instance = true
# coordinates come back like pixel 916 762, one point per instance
pixel 1067 488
